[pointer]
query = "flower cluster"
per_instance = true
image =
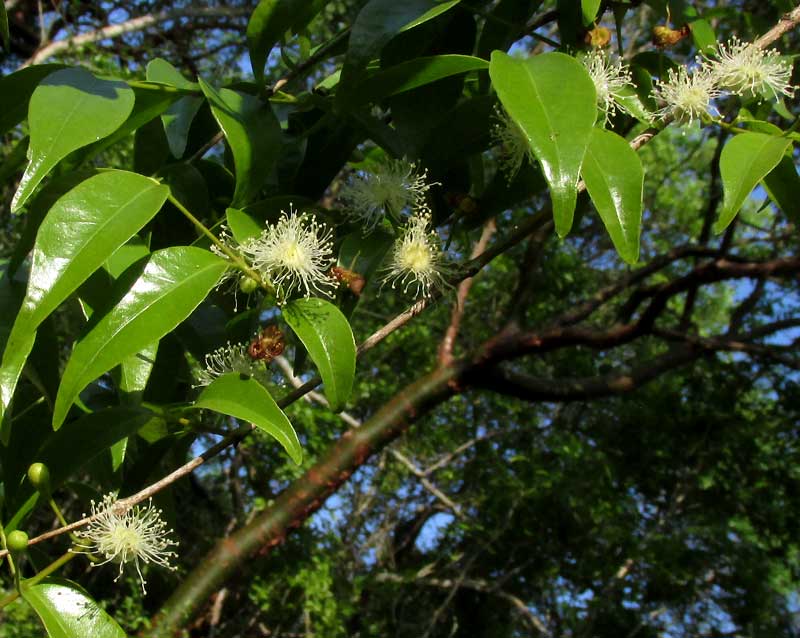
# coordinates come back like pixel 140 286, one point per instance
pixel 228 358
pixel 513 143
pixel 610 78
pixel 293 254
pixel 417 262
pixel 123 535
pixel 738 68
pixel 395 186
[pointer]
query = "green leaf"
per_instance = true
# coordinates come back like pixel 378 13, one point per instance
pixel 16 90
pixel 615 180
pixel 67 611
pixel 783 185
pixel 377 23
pixel 589 9
pixel 248 400
pixel 254 135
pixel 5 35
pixel 415 73
pixel 178 118
pixel 431 13
pixel 174 282
pixel 242 225
pixel 327 336
pixel 82 229
pixel 703 35
pixel 552 99
pixel 69 109
pixel 744 162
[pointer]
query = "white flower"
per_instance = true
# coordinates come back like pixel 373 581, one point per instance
pixel 396 185
pixel 513 143
pixel 228 358
pixel 609 79
pixel 294 254
pixel 744 69
pixel 417 261
pixel 687 96
pixel 124 535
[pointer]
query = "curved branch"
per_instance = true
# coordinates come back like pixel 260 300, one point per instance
pixel 139 23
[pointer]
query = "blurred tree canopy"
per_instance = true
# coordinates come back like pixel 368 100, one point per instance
pixel 541 255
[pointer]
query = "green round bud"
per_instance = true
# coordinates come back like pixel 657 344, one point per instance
pixel 247 285
pixel 17 541
pixel 39 476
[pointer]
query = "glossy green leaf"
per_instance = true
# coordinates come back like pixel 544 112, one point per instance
pixel 133 373
pixel 615 180
pixel 248 400
pixel 326 334
pixel 552 99
pixel 173 283
pixel 67 611
pixel 589 9
pixel 438 9
pixel 783 185
pixel 745 161
pixel 82 229
pixel 69 109
pixel 16 90
pixel 178 118
pixel 254 136
pixel 377 23
pixel 415 73
pixel 703 35
pixel 242 225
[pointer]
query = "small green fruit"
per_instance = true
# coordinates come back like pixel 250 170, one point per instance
pixel 17 541
pixel 39 476
pixel 247 284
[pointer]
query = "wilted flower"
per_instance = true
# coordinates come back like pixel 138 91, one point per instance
pixel 417 261
pixel 687 96
pixel 293 254
pixel 513 143
pixel 128 534
pixel 228 358
pixel 746 70
pixel 395 185
pixel 609 79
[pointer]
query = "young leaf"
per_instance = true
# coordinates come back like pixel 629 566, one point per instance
pixel 82 229
pixel 242 225
pixel 327 336
pixel 589 10
pixel 254 135
pixel 69 109
pixel 173 283
pixel 744 162
pixel 248 400
pixel 615 180
pixel 552 99
pixel 67 611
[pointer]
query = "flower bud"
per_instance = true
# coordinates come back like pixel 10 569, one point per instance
pixel 17 541
pixel 39 477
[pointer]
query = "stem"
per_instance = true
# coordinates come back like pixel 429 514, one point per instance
pixel 56 564
pixel 231 254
